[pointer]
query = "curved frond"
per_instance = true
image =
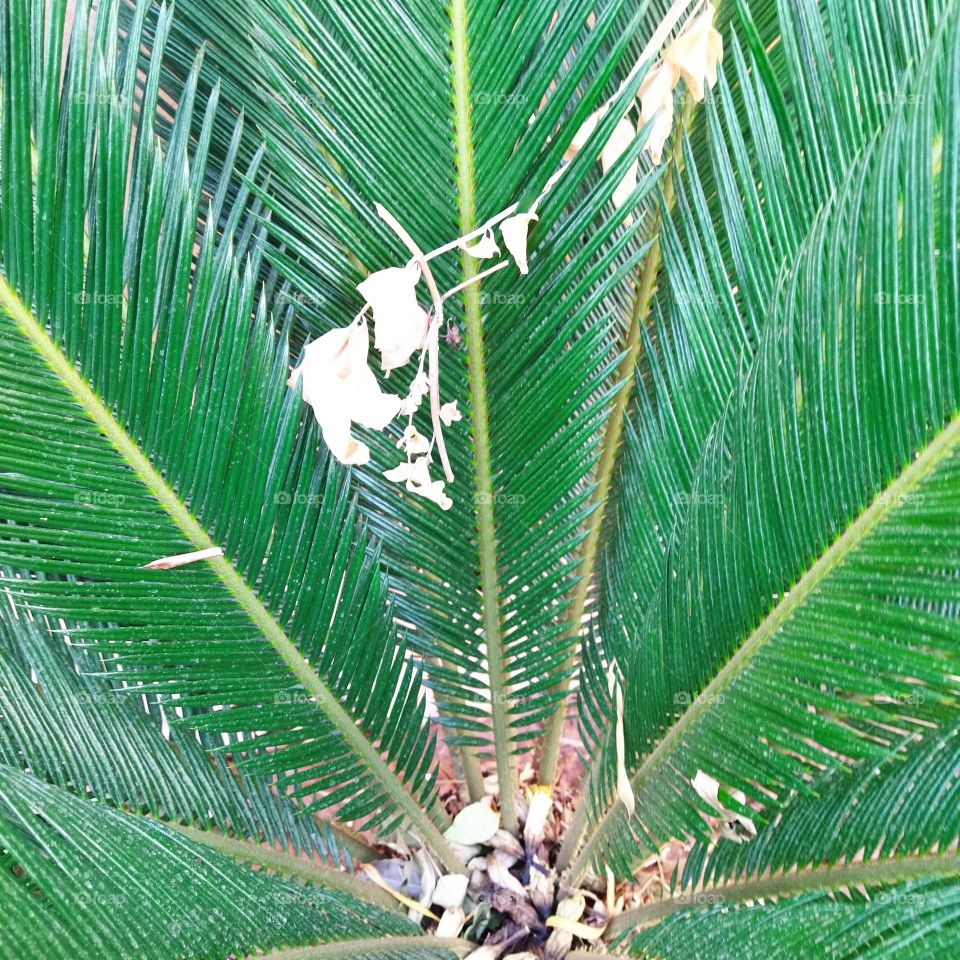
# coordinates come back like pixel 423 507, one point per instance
pixel 774 146
pixel 136 373
pixel 498 100
pixel 80 879
pixel 70 729
pixel 800 613
pixel 907 921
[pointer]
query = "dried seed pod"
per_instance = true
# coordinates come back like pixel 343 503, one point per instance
pixel 540 885
pixel 560 941
pixel 539 808
pixel 451 923
pixel 507 843
pixel 516 906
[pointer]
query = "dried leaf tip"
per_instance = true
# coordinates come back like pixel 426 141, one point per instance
pixel 736 826
pixel 182 559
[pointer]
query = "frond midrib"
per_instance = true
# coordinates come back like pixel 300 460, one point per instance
pixel 479 416
pixel 824 878
pixel 325 700
pixel 609 450
pixel 289 865
pixel 882 505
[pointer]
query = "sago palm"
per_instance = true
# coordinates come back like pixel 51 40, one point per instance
pixel 290 649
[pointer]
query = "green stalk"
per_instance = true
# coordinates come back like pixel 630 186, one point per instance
pixel 486 527
pixel 865 873
pixel 607 464
pixel 325 700
pixel 292 866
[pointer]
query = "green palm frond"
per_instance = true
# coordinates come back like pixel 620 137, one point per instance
pixel 152 456
pixel 541 350
pixel 68 728
pixel 788 609
pixel 897 922
pixel 707 478
pixel 901 808
pixel 763 167
pixel 79 878
pixel 899 812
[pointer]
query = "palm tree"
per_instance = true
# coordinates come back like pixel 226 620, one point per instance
pixel 702 497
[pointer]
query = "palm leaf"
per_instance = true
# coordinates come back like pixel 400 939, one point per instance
pixel 67 728
pixel 541 350
pixel 900 921
pixel 768 555
pixel 80 878
pixel 749 194
pixel 898 812
pixel 151 457
pixel 898 809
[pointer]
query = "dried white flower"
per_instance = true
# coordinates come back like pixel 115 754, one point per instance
pixel 342 390
pixel 539 807
pixel 413 441
pixel 514 230
pixel 400 473
pixel 656 100
pixel 449 413
pixel 416 475
pixel 399 322
pixel 484 248
pixel 696 52
pixel 418 390
pixel 615 147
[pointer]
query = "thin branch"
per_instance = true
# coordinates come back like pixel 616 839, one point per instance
pixel 432 336
pixel 476 278
pixel 479 232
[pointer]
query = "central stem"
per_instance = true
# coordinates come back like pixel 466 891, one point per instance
pixel 483 477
